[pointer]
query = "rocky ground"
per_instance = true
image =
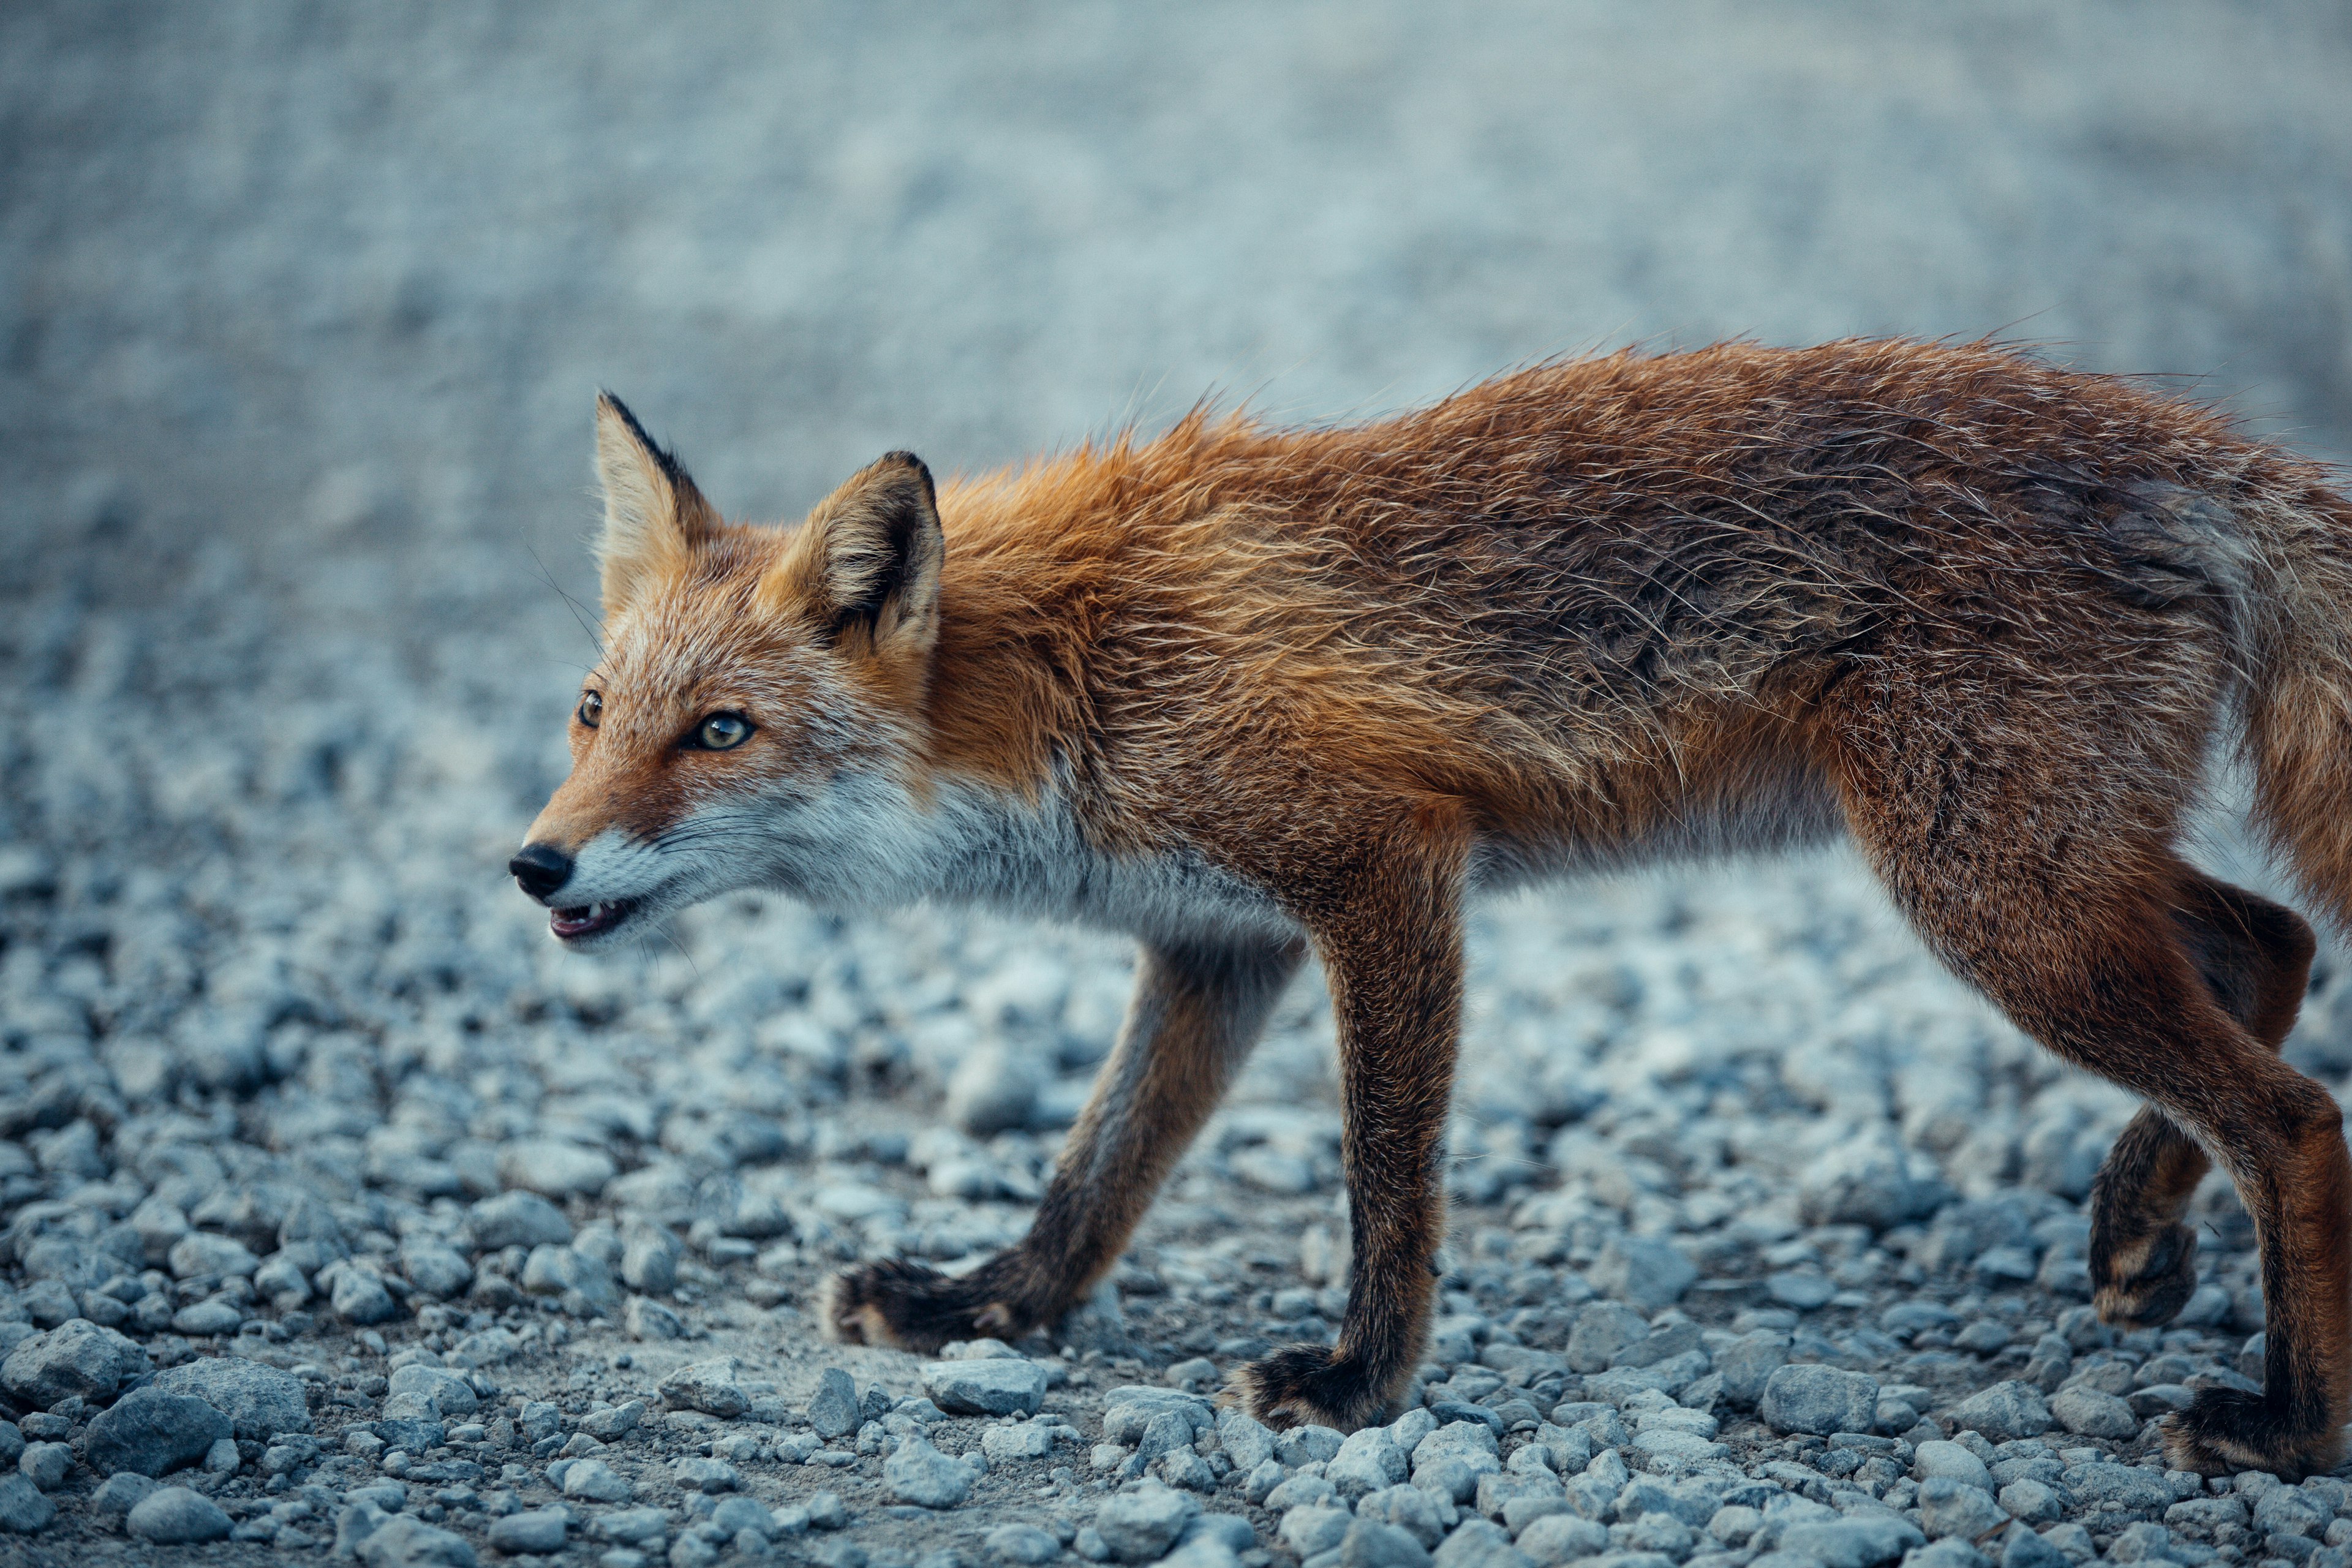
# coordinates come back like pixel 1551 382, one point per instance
pixel 344 1215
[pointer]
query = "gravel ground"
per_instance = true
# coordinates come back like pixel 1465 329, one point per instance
pixel 368 1223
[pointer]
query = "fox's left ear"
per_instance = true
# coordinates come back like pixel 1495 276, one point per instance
pixel 654 517
pixel 867 562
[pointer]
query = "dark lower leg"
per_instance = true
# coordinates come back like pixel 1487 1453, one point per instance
pixel 2253 957
pixel 2297 1183
pixel 1396 992
pixel 1195 1014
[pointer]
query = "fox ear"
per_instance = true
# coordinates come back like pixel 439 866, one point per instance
pixel 867 560
pixel 654 517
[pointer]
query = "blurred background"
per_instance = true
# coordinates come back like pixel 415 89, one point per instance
pixel 319 279
pixel 304 307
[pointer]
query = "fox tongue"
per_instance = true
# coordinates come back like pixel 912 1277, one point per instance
pixel 580 919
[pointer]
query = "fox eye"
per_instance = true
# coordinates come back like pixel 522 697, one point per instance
pixel 722 731
pixel 592 709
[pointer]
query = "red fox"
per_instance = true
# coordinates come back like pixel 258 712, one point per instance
pixel 1249 694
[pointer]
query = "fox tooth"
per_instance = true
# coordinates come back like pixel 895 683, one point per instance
pixel 595 912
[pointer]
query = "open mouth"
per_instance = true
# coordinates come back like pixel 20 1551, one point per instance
pixel 589 920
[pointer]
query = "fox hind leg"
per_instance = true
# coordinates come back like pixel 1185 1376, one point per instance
pixel 2030 847
pixel 2254 958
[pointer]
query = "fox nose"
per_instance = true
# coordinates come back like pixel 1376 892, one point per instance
pixel 541 868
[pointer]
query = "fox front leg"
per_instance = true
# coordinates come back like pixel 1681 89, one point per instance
pixel 1196 1012
pixel 1391 945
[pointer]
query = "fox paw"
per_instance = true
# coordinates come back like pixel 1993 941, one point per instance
pixel 2227 1429
pixel 2145 1284
pixel 909 1307
pixel 1310 1386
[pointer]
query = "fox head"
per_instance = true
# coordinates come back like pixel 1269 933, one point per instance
pixel 755 718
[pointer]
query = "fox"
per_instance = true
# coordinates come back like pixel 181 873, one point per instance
pixel 1251 694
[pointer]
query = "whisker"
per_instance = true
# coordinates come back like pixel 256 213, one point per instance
pixel 574 605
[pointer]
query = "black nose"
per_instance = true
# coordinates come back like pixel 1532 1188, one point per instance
pixel 541 868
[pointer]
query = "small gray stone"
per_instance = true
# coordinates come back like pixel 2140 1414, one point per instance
pixel 1949 1461
pixel 833 1410
pixel 919 1473
pixel 1308 1445
pixel 2119 1488
pixel 708 1386
pixel 282 1283
pixel 732 1515
pixel 697 1474
pixel 1410 1509
pixel 1367 1461
pixel 632 1526
pixel 1165 1434
pixel 1021 1543
pixel 1248 1442
pixel 2278 1510
pixel 517 1219
pixel 1139 1525
pixel 1477 1543
pixel 1947 1506
pixel 993 1090
pixel 1369 1543
pixel 402 1540
pixel 357 1295
pixel 46 1464
pixel 1870 1181
pixel 77 1358
pixel 223 1458
pixel 435 1267
pixel 1311 1530
pixel 2004 1413
pixel 595 1480
pixel 2035 1502
pixel 201 1254
pixel 429 1393
pixel 207 1319
pixel 1649 1272
pixel 1819 1400
pixel 650 1257
pixel 1746 1363
pixel 647 1318
pixel 152 1432
pixel 261 1402
pixel 535 1530
pixel 582 1278
pixel 1603 1330
pixel 308 1219
pixel 120 1493
pixel 2023 1548
pixel 1800 1289
pixel 173 1515
pixel 23 1511
pixel 1857 1540
pixel 2087 1413
pixel 1022 1440
pixel 1303 1491
pixel 1129 1412
pixel 556 1168
pixel 1559 1538
pixel 992 1387
pixel 1951 1551
pixel 49 1303
pixel 612 1425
